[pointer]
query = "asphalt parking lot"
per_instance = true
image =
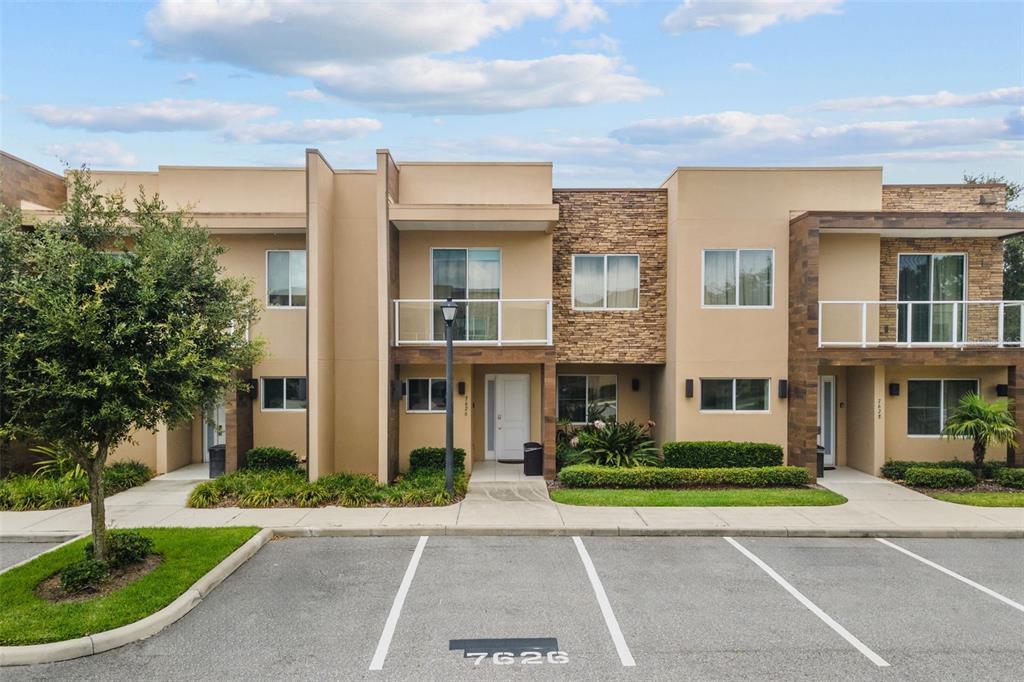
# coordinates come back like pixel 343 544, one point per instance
pixel 15 552
pixel 404 608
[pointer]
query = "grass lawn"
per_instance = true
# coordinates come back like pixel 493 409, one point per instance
pixel 725 497
pixel 188 554
pixel 983 498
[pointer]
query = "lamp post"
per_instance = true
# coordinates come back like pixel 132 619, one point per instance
pixel 448 310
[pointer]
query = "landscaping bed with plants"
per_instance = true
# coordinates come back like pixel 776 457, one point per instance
pixel 65 594
pixel 275 480
pixel 52 488
pixel 961 482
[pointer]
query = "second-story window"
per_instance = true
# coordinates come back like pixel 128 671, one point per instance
pixel 738 277
pixel 926 280
pixel 473 278
pixel 286 279
pixel 606 282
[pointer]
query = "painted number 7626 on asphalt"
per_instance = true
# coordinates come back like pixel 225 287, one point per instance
pixel 528 657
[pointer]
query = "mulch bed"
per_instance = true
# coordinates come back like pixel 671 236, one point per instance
pixel 51 591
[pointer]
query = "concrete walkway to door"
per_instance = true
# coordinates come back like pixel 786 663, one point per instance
pixel 521 507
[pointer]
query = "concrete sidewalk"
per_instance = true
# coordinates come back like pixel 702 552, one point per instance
pixel 521 507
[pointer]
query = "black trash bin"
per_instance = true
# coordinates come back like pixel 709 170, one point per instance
pixel 533 459
pixel 821 461
pixel 218 453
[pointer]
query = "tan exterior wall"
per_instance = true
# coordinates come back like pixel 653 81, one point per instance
pixel 417 430
pixel 611 222
pixel 848 271
pixel 143 449
pixel 865 418
pixel 23 181
pixel 739 208
pixel 981 198
pixel 474 183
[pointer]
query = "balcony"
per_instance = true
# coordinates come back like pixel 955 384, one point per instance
pixel 921 324
pixel 479 322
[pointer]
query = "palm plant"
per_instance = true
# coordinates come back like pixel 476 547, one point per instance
pixel 59 463
pixel 985 423
pixel 625 444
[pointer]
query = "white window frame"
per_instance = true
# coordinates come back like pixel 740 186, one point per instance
pixel 942 402
pixel 962 329
pixel 736 305
pixel 605 285
pixel 430 384
pixel 284 394
pixel 587 394
pixel 266 274
pixel 700 398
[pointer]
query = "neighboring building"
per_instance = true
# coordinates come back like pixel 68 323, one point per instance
pixel 727 304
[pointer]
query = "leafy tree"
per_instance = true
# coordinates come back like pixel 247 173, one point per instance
pixel 114 318
pixel 1013 248
pixel 985 423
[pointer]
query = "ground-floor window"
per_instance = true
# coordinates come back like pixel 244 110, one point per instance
pixel 734 395
pixel 284 393
pixel 425 395
pixel 930 402
pixel 583 398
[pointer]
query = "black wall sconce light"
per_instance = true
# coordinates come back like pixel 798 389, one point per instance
pixel 894 389
pixel 689 388
pixel 635 384
pixel 254 388
pixel 462 387
pixel 1002 390
pixel 397 389
pixel 783 388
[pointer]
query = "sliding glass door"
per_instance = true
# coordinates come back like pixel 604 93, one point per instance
pixel 473 274
pixel 926 281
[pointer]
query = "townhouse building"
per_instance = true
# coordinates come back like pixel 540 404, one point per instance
pixel 800 306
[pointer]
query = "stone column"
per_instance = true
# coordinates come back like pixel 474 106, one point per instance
pixel 1015 381
pixel 549 421
pixel 802 443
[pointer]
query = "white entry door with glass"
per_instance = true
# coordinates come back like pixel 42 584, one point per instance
pixel 827 418
pixel 213 429
pixel 928 286
pixel 507 415
pixel 472 278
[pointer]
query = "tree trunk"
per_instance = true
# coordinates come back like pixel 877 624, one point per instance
pixel 96 503
pixel 979 459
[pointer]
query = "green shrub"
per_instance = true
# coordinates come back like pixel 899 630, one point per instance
pixel 270 458
pixel 718 454
pixel 1011 478
pixel 620 444
pixel 433 458
pixel 83 575
pixel 25 493
pixel 934 477
pixel 124 475
pixel 124 547
pixel 896 469
pixel 592 476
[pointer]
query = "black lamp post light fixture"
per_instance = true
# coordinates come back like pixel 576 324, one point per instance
pixel 448 311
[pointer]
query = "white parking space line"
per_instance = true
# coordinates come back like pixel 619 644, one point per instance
pixel 396 608
pixel 840 630
pixel 606 608
pixel 967 581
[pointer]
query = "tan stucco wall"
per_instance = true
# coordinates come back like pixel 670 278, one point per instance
pixel 848 271
pixel 739 208
pixel 418 430
pixel 142 450
pixel 480 373
pixel 474 183
pixel 865 418
pixel 179 447
pixel 898 445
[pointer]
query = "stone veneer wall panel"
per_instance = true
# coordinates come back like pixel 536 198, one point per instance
pixel 601 222
pixel 980 198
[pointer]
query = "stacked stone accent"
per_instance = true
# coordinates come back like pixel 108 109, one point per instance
pixel 944 198
pixel 23 181
pixel 623 221
pixel 984 280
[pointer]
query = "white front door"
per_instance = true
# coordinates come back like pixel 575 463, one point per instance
pixel 511 415
pixel 827 418
pixel 213 429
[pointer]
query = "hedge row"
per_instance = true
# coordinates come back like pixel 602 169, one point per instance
pixel 433 458
pixel 897 469
pixel 716 454
pixel 932 477
pixel 1011 478
pixel 593 476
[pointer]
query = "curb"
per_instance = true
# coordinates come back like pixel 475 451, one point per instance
pixel 62 536
pixel 147 627
pixel 627 531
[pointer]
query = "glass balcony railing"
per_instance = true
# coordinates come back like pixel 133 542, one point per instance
pixel 499 321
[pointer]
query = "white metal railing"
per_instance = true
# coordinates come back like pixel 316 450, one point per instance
pixel 479 321
pixel 944 324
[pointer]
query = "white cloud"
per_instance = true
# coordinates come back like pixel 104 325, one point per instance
pixel 188 79
pixel 950 155
pixel 437 86
pixel 943 98
pixel 310 131
pixel 581 15
pixel 135 42
pixel 724 124
pixel 744 66
pixel 601 43
pixel 398 56
pixel 104 153
pixel 310 94
pixel 744 17
pixel 157 116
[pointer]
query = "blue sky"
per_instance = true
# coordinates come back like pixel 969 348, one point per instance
pixel 613 93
